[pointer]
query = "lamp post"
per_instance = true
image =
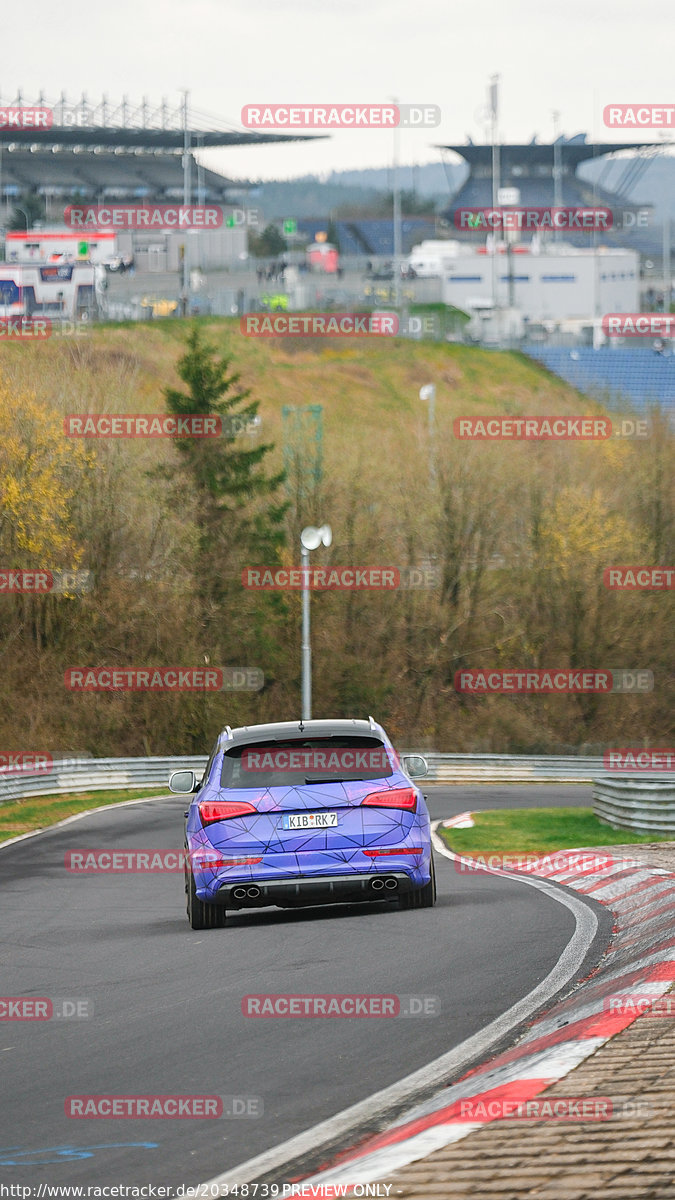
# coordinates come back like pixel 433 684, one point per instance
pixel 310 538
pixel 428 392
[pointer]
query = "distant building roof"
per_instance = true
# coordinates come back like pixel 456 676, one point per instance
pixel 574 151
pixel 119 149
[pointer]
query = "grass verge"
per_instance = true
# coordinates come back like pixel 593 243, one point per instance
pixel 539 829
pixel 39 812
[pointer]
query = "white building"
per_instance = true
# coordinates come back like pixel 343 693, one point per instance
pixel 546 283
pixel 45 245
pixel 156 251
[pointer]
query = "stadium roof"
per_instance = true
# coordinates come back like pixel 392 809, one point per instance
pixel 529 168
pixel 574 151
pixel 114 136
pixel 131 126
pixel 104 149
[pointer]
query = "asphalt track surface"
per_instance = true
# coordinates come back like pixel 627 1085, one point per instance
pixel 166 1000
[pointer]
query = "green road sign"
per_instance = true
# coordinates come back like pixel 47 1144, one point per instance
pixel 290 227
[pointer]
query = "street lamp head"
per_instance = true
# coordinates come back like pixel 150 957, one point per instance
pixel 311 537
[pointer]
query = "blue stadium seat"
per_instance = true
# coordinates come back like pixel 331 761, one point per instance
pixel 640 377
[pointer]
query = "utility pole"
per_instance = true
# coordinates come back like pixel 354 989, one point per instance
pixel 306 645
pixel 187 190
pixel 494 117
pixel 397 222
pixel 557 170
pixel 310 538
pixel 667 276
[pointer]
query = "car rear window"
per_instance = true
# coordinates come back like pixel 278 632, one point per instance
pixel 298 760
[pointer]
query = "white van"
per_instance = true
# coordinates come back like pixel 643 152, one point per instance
pixel 432 258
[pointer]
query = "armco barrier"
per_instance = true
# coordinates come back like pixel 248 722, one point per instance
pixel 97 774
pixel 509 768
pixel 643 805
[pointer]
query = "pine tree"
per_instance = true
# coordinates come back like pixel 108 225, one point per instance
pixel 239 521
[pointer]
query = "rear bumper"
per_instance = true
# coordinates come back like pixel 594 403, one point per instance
pixel 308 890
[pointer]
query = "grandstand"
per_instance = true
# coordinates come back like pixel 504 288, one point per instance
pixel 124 151
pixel 529 168
pixel 372 236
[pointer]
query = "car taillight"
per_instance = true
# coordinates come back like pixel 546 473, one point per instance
pixel 396 850
pixel 394 798
pixel 221 810
pixel 206 858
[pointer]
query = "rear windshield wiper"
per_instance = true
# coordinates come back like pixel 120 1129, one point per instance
pixel 331 780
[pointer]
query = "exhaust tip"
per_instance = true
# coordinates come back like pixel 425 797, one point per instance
pixel 253 893
pixel 239 893
pixel 392 884
pixel 377 885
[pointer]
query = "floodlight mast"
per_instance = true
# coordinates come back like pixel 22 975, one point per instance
pixel 310 539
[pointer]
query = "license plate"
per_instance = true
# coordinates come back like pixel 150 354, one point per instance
pixel 309 820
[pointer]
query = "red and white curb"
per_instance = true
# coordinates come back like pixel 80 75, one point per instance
pixel 641 959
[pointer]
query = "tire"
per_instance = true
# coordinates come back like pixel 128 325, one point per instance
pixel 424 897
pixel 201 915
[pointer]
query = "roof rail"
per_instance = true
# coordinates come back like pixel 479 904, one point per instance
pixel 228 730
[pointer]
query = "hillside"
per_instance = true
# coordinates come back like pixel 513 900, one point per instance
pixel 520 534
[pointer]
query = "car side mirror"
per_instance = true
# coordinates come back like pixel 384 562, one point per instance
pixel 182 782
pixel 415 765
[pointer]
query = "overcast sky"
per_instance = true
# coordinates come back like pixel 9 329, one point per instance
pixel 575 56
